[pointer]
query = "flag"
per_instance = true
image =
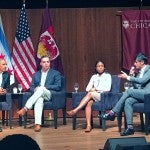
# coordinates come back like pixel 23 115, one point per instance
pixel 23 56
pixel 5 53
pixel 47 44
pixel 135 35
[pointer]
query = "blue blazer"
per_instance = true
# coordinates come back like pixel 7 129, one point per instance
pixel 52 83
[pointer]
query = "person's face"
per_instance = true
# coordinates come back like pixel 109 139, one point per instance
pixel 138 64
pixel 3 65
pixel 45 63
pixel 100 67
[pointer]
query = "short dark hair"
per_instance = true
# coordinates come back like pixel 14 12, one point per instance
pixel 19 142
pixel 45 56
pixel 141 57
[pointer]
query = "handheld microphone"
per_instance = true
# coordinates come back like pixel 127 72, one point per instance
pixel 131 72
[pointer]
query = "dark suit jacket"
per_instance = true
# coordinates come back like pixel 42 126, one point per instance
pixel 5 81
pixel 5 84
pixel 52 83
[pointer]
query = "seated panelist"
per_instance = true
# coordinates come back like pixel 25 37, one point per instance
pixel 43 83
pixel 100 82
pixel 4 80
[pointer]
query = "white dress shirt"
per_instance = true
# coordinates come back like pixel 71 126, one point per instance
pixel 43 78
pixel 100 82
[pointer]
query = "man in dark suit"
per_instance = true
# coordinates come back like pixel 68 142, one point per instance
pixel 141 86
pixel 4 81
pixel 43 83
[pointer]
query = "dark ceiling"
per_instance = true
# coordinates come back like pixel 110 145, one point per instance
pixel 36 4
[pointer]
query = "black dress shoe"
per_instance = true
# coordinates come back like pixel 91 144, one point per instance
pixel 128 131
pixel 107 116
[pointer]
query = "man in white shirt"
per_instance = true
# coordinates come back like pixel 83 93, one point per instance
pixel 44 82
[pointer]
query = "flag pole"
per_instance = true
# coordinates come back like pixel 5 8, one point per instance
pixel 46 2
pixel 24 1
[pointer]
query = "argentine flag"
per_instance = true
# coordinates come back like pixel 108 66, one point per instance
pixel 5 53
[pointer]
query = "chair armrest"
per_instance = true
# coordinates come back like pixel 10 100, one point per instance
pixel 109 100
pixel 147 102
pixel 58 99
pixel 8 101
pixel 76 98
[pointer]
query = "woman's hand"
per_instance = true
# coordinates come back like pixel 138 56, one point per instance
pixel 92 90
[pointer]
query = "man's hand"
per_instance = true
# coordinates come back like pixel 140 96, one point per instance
pixel 123 75
pixel 2 91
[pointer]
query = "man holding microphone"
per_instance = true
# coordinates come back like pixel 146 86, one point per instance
pixel 141 86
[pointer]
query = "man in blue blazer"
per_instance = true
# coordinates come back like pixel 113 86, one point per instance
pixel 4 81
pixel 141 86
pixel 43 83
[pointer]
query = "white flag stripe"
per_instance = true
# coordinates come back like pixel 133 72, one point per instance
pixel 25 57
pixel 29 52
pixel 24 82
pixel 21 64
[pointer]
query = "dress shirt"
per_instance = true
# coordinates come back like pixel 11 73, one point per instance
pixel 100 82
pixel 43 78
pixel 0 79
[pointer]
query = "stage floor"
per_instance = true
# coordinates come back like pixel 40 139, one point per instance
pixel 65 138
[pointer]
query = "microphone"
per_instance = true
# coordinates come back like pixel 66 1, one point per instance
pixel 131 72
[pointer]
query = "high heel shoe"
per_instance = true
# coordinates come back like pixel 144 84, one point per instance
pixel 71 113
pixel 88 129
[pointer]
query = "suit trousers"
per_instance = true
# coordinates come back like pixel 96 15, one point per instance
pixel 37 100
pixel 129 97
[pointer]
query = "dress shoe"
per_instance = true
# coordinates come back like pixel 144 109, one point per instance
pixel 88 129
pixel 107 116
pixel 21 112
pixel 71 113
pixel 37 128
pixel 128 131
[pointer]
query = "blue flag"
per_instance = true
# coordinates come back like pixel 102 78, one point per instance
pixel 5 53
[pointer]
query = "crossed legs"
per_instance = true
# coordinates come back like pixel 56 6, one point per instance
pixel 36 99
pixel 86 101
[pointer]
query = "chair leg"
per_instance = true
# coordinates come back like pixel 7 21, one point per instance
pixel 142 121
pixel 43 118
pixel 91 120
pixel 10 118
pixel 25 120
pixel 3 117
pixel 100 120
pixel 74 122
pixel 119 120
pixel 147 123
pixel 55 118
pixel 64 116
pixel 103 122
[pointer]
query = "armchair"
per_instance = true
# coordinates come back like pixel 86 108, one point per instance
pixel 58 101
pixel 141 108
pixel 108 101
pixel 6 105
